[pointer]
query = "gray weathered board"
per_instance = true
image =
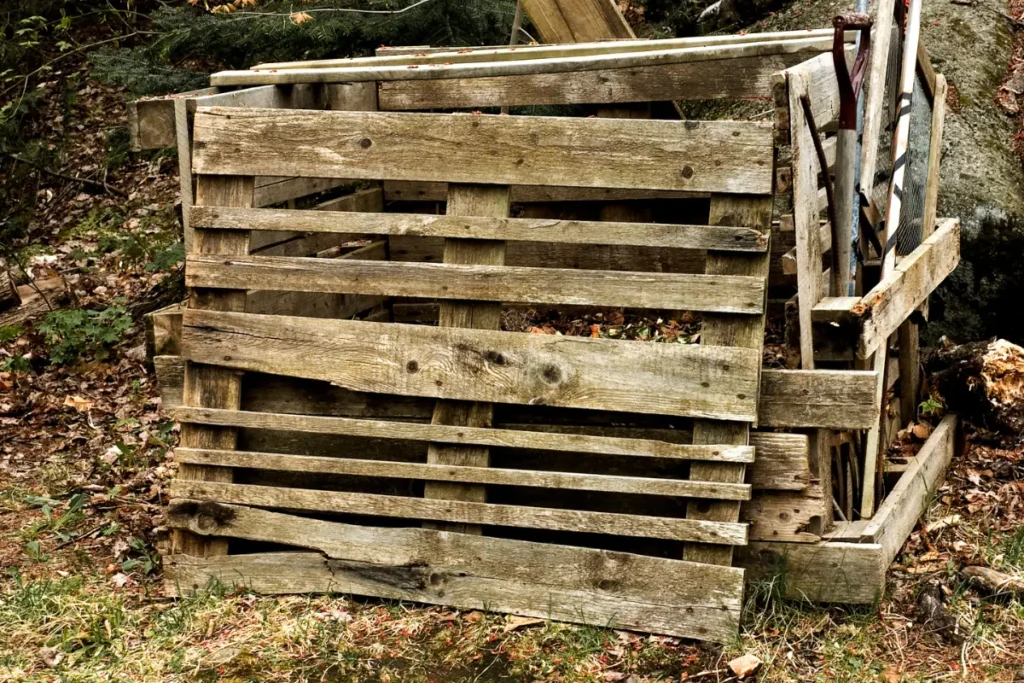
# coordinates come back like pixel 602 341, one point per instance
pixel 436 507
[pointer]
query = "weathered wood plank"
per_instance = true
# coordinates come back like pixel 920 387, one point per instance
pixel 791 516
pixel 729 332
pixel 207 386
pixel 712 156
pixel 849 573
pixel 664 235
pixel 744 78
pixel 567 65
pixel 872 319
pixel 781 462
pixel 779 445
pixel 151 121
pixel 430 191
pixel 491 202
pixel 830 399
pixel 897 516
pixel 464 475
pixel 546 580
pixel 805 208
pixel 670 379
pixel 423 54
pixel 723 294
pixel 463 511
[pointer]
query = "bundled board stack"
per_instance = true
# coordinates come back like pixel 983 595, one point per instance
pixel 361 415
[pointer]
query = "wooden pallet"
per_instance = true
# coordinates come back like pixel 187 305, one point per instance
pixel 611 530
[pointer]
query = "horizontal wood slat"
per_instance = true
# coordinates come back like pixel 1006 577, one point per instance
pixel 464 475
pixel 672 291
pixel 746 78
pixel 482 365
pixel 619 590
pixel 832 399
pixel 711 156
pixel 464 512
pixel 473 436
pixel 721 238
pixel 449 55
pixel 563 65
pixel 786 399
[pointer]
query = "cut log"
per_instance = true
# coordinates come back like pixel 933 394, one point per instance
pixel 983 382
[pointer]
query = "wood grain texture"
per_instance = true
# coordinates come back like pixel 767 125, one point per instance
pixel 833 572
pixel 567 65
pixel 479 365
pixel 718 156
pixel 423 54
pixel 740 78
pixel 829 399
pixel 577 21
pixel 791 516
pixel 882 34
pixel 207 386
pixel 897 516
pixel 461 474
pixel 453 280
pixel 805 213
pixel 731 332
pixel 776 446
pixel 875 317
pixel 484 201
pixel 430 191
pixel 546 580
pixel 546 230
pixel 466 512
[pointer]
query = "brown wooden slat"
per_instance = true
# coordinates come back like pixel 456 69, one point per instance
pixel 496 438
pixel 481 365
pixel 461 474
pixel 575 584
pixel 720 238
pixel 453 281
pixel 717 156
pixel 466 512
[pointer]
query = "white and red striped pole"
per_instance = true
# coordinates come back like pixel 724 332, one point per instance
pixel 887 234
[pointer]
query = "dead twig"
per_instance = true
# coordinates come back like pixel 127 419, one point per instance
pixel 101 186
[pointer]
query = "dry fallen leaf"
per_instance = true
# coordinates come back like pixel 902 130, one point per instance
pixel 744 666
pixel 516 623
pixel 300 18
pixel 922 430
pixel 82 405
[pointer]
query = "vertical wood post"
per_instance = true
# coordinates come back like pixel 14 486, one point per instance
pixel 207 386
pixel 745 331
pixel 468 200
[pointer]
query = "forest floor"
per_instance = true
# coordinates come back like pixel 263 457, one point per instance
pixel 86 456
